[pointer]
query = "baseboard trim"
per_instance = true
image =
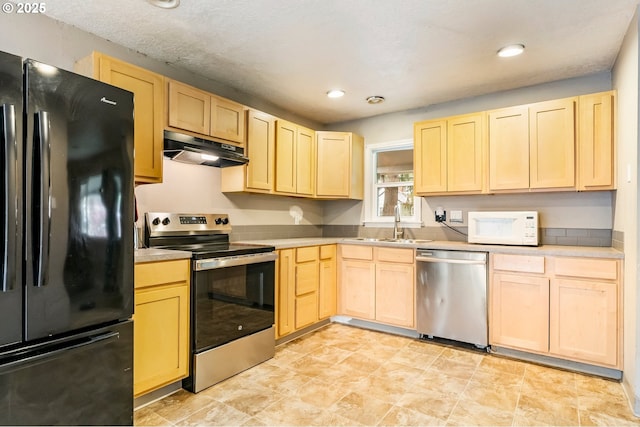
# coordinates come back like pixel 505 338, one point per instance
pixel 585 368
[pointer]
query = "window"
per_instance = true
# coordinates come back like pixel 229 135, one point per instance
pixel 389 181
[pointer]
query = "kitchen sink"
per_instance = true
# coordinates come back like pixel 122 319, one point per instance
pixel 406 240
pixel 387 240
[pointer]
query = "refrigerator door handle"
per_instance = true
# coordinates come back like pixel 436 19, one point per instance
pixel 42 136
pixel 9 212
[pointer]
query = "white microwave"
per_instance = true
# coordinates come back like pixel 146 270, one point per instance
pixel 504 228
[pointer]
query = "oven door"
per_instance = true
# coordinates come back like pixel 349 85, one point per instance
pixel 232 297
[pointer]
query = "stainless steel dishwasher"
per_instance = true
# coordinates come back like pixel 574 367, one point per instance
pixel 451 295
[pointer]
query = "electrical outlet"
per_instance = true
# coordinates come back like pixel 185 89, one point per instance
pixel 441 214
pixel 456 216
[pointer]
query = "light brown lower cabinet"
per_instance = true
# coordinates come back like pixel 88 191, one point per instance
pixel 305 287
pixel 160 324
pixel 572 309
pixel 378 283
pixel 328 290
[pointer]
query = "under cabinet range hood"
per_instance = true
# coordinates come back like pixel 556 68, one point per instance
pixel 199 151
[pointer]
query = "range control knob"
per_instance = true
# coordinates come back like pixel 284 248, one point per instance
pixel 218 221
pixel 165 221
pixel 225 221
pixel 155 221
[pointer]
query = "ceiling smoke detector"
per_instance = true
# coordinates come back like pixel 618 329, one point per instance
pixel 375 99
pixel 165 4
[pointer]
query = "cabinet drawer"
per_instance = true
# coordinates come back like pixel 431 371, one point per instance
pixel 395 255
pixel 306 310
pixel 158 273
pixel 327 251
pixel 587 267
pixel 357 252
pixel 309 253
pixel 521 263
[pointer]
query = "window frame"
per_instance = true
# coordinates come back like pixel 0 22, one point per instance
pixel 371 218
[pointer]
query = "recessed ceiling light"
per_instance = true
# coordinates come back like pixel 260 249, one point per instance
pixel 511 50
pixel 165 4
pixel 375 99
pixel 335 93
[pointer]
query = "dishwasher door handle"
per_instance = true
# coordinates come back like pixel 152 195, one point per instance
pixel 450 261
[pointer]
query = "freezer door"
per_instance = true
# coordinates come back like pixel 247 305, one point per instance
pixel 82 380
pixel 79 202
pixel 10 199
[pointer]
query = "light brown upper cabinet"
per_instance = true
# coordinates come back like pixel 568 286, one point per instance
pixel 509 149
pixel 340 165
pixel 532 146
pixel 596 141
pixel 257 176
pixel 449 155
pixel 430 156
pixel 148 91
pixel 295 159
pixel 552 144
pixel 557 145
pixel 193 110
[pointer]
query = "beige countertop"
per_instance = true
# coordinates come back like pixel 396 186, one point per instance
pixel 153 254
pixel 554 250
pixel 294 243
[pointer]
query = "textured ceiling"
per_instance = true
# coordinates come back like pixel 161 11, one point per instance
pixel 412 52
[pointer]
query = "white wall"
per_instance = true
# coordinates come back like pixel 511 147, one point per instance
pixel 193 188
pixel 625 80
pixel 557 210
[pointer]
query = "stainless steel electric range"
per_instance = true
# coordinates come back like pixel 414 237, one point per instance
pixel 232 294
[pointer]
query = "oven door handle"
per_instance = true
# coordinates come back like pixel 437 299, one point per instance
pixel 233 261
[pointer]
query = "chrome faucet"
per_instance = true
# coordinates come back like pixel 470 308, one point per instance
pixel 397 231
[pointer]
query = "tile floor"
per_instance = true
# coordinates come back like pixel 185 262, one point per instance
pixel 342 375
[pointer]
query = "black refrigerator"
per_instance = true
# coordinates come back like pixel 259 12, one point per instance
pixel 66 283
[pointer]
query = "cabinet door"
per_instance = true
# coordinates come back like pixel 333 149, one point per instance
pixel 286 292
pixel 227 120
pixel 509 149
pixel 161 333
pixel 583 320
pixel 430 156
pixel 357 294
pixel 148 125
pixel 286 137
pixel 596 143
pixel 189 108
pixel 327 291
pixel 465 152
pixel 519 312
pixel 305 161
pixel 334 164
pixel 395 296
pixel 552 144
pixel 261 145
